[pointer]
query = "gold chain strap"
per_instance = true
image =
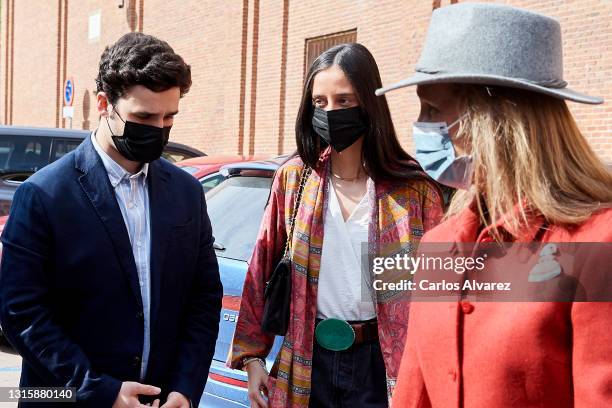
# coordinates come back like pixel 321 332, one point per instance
pixel 303 178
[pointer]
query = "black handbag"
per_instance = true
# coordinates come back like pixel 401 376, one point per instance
pixel 277 294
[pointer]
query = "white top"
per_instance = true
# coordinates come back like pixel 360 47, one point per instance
pixel 340 277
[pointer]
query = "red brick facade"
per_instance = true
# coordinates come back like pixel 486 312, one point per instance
pixel 248 60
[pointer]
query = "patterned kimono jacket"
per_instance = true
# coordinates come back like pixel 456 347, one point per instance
pixel 402 212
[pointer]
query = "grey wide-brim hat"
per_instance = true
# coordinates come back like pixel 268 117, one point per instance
pixel 491 44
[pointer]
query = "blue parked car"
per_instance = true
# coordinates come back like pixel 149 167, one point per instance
pixel 236 208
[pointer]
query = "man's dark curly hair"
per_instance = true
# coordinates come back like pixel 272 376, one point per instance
pixel 140 59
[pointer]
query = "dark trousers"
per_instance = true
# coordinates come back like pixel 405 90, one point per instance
pixel 354 378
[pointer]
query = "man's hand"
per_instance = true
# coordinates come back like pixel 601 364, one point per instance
pixel 129 392
pixel 176 400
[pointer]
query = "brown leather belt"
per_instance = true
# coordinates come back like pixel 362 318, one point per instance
pixel 365 332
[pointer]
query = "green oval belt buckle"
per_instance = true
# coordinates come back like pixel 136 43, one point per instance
pixel 335 334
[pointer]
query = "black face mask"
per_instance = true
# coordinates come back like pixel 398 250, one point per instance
pixel 340 128
pixel 141 143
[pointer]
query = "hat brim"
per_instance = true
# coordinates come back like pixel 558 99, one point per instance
pixel 420 78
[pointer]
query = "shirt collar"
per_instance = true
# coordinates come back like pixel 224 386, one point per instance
pixel 116 173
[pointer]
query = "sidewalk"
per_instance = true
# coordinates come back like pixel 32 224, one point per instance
pixel 10 370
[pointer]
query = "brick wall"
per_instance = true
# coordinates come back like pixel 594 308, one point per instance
pixel 247 60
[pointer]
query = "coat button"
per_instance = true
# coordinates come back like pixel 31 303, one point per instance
pixel 467 307
pixel 453 375
pixel 137 361
pixel 140 315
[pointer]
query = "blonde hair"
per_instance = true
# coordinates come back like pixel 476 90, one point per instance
pixel 528 151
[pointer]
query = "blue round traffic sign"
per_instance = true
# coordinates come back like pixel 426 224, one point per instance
pixel 69 92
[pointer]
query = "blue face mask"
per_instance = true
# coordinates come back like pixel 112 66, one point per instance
pixel 435 153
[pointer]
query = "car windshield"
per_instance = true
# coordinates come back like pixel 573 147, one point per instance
pixel 235 208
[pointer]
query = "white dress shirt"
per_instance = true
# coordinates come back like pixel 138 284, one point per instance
pixel 132 195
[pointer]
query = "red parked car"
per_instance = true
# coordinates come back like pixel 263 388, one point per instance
pixel 206 169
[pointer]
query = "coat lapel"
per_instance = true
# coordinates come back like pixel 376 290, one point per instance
pixel 96 185
pixel 160 203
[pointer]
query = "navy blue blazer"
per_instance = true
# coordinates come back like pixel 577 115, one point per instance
pixel 70 301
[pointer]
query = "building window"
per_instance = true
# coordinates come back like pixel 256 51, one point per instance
pixel 316 46
pixel 94 26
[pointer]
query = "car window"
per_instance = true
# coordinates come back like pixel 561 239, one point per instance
pixel 23 153
pixel 6 149
pixel 235 208
pixel 173 157
pixel 174 153
pixel 63 146
pixel 211 181
pixel 189 169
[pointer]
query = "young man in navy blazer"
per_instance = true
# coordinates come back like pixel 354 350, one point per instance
pixel 109 281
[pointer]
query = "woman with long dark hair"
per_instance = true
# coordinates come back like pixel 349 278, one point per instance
pixel 362 195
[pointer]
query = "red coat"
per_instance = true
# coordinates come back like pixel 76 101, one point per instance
pixel 513 354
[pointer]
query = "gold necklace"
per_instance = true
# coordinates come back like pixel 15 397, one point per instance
pixel 357 177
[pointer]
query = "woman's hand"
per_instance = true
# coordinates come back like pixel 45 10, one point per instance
pixel 258 382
